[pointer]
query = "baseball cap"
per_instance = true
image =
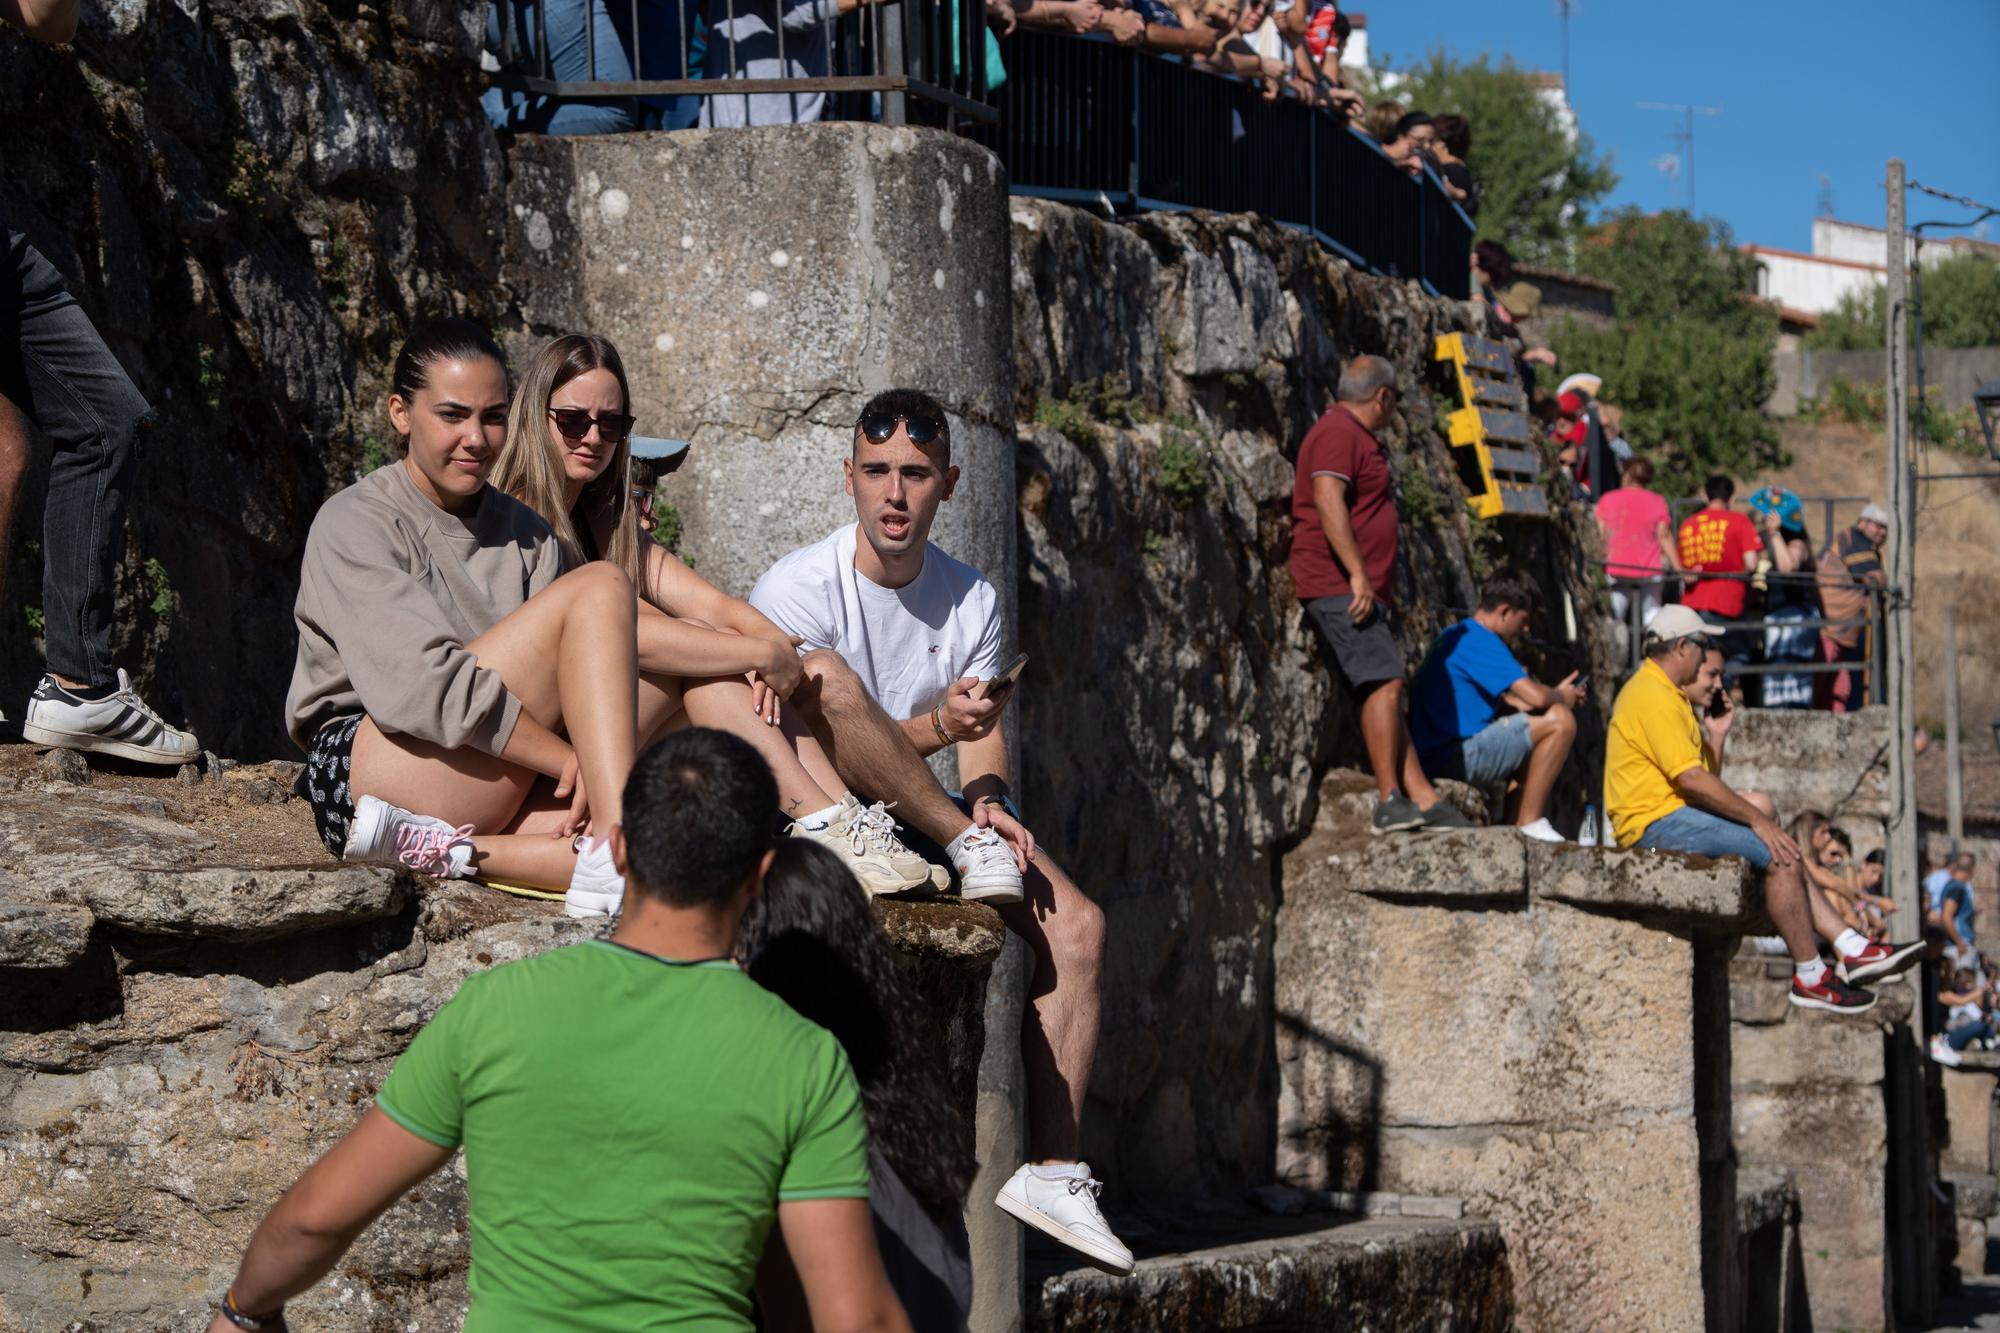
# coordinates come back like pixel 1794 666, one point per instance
pixel 1873 513
pixel 1570 403
pixel 1678 622
pixel 1523 300
pixel 1785 504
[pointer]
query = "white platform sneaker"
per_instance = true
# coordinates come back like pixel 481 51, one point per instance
pixel 118 724
pixel 388 835
pixel 986 869
pixel 595 886
pixel 1066 1208
pixel 864 838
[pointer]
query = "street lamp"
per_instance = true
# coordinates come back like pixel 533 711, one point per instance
pixel 1986 398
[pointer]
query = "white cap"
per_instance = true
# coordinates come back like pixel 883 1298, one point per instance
pixel 1677 622
pixel 1873 513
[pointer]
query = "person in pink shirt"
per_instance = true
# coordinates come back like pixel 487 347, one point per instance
pixel 1638 540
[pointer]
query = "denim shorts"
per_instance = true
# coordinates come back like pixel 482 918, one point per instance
pixel 1491 757
pixel 1697 831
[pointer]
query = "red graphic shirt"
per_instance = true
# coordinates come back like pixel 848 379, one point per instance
pixel 1715 541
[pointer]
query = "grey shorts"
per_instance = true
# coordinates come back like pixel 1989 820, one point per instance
pixel 1492 756
pixel 1367 653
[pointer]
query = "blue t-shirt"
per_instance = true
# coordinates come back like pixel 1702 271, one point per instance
pixel 1934 888
pixel 1458 689
pixel 1958 891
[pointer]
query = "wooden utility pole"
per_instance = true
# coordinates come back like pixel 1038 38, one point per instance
pixel 1954 760
pixel 1898 660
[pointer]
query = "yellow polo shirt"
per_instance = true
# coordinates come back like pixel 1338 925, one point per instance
pixel 1654 738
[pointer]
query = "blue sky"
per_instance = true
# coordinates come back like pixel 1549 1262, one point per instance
pixel 1806 90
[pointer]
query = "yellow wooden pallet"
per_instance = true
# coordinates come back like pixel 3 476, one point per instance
pixel 1494 424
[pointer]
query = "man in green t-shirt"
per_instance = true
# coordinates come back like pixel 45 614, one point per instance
pixel 634 1111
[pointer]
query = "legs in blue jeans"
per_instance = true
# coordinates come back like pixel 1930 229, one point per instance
pixel 57 373
pixel 1961 1037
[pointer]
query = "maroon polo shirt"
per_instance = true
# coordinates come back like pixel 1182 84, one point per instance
pixel 1340 446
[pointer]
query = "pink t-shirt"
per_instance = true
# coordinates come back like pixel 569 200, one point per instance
pixel 1631 516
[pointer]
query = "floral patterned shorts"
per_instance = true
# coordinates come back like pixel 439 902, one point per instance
pixel 327 766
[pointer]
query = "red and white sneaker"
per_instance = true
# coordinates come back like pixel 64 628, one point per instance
pixel 1879 962
pixel 1832 994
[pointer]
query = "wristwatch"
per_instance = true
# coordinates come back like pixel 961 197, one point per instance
pixel 274 1320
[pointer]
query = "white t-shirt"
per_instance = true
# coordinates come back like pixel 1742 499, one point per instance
pixel 907 644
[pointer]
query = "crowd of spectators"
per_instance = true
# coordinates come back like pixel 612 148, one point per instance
pixel 1288 48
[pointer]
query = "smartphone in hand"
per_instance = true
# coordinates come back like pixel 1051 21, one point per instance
pixel 1008 674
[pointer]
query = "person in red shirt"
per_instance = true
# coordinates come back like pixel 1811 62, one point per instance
pixel 1716 540
pixel 1343 558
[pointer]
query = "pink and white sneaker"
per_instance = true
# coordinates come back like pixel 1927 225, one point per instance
pixel 388 835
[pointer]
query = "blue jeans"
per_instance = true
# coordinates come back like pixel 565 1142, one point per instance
pixel 56 369
pixel 1961 1037
pixel 1702 834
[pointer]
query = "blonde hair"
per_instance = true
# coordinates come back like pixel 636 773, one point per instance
pixel 530 467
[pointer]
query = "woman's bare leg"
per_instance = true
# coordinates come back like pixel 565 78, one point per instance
pixel 566 654
pixel 723 702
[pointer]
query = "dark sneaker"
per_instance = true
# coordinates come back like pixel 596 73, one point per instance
pixel 1879 962
pixel 1445 815
pixel 1396 814
pixel 1832 993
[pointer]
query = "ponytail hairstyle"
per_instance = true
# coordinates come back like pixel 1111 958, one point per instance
pixel 432 341
pixel 530 466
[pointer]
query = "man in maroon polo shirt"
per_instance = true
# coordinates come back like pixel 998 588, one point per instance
pixel 1343 560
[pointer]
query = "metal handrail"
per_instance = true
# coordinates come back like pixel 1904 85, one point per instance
pixel 1871 623
pixel 888 50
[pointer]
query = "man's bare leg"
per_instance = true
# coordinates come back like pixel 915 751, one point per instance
pixel 856 746
pixel 1793 911
pixel 1551 733
pixel 1389 753
pixel 1064 932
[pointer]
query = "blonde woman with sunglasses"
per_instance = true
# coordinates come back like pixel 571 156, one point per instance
pixel 705 658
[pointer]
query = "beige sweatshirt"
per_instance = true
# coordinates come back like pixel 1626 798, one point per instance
pixel 391 591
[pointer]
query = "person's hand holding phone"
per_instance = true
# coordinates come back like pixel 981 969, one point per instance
pixel 1575 686
pixel 966 716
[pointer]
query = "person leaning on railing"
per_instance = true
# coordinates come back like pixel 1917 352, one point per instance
pixel 1849 571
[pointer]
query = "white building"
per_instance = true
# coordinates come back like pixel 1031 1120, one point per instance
pixel 1847 257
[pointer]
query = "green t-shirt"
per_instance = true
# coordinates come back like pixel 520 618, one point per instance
pixel 629 1127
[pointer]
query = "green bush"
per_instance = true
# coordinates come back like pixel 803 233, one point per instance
pixel 1069 419
pixel 1183 470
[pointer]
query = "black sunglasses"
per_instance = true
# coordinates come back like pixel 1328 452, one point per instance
pixel 879 426
pixel 575 423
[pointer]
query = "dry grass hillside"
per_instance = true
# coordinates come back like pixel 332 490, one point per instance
pixel 1958 550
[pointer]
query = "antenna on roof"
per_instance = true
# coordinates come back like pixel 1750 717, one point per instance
pixel 1684 137
pixel 1825 195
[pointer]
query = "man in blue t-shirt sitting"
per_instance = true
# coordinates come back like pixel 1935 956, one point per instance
pixel 1478 716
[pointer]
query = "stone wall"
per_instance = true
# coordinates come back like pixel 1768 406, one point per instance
pixel 251 201
pixel 1539 1031
pixel 190 1014
pixel 1176 715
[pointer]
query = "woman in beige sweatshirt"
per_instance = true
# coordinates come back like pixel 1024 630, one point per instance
pixel 447 665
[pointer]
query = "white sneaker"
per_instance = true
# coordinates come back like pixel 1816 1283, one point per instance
pixel 1066 1208
pixel 986 869
pixel 1541 831
pixel 388 835
pixel 1942 1052
pixel 118 724
pixel 595 886
pixel 865 841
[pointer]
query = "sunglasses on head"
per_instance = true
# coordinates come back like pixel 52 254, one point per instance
pixel 575 423
pixel 922 429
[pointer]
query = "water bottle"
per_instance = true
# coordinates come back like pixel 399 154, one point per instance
pixel 1587 835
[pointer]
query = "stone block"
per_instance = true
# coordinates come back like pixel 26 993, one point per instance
pixel 1831 1137
pixel 1474 864
pixel 1974 1195
pixel 1812 760
pixel 1968 1109
pixel 43 935
pixel 1806 1046
pixel 1692 891
pixel 1386 1275
pixel 1603 1221
pixel 1752 996
pixel 1368 1037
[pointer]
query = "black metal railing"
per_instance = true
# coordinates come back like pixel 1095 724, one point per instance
pixel 1870 625
pixel 898 61
pixel 1086 121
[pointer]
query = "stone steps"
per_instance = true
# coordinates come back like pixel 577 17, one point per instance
pixel 1382 1274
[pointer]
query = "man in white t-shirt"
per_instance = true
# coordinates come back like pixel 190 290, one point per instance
pixel 921 631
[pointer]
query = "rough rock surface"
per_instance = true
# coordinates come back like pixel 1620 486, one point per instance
pixel 161 1084
pixel 1800 1083
pixel 1396 1275
pixel 1575 1124
pixel 1176 713
pixel 252 201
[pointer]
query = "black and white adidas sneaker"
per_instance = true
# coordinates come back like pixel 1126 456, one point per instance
pixel 119 724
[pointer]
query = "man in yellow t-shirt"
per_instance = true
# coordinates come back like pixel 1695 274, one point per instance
pixel 1663 794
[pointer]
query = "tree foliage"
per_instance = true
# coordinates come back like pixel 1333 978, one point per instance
pixel 1536 182
pixel 1961 309
pixel 1690 357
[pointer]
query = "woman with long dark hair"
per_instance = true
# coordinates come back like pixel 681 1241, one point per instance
pixel 465 706
pixel 812 939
